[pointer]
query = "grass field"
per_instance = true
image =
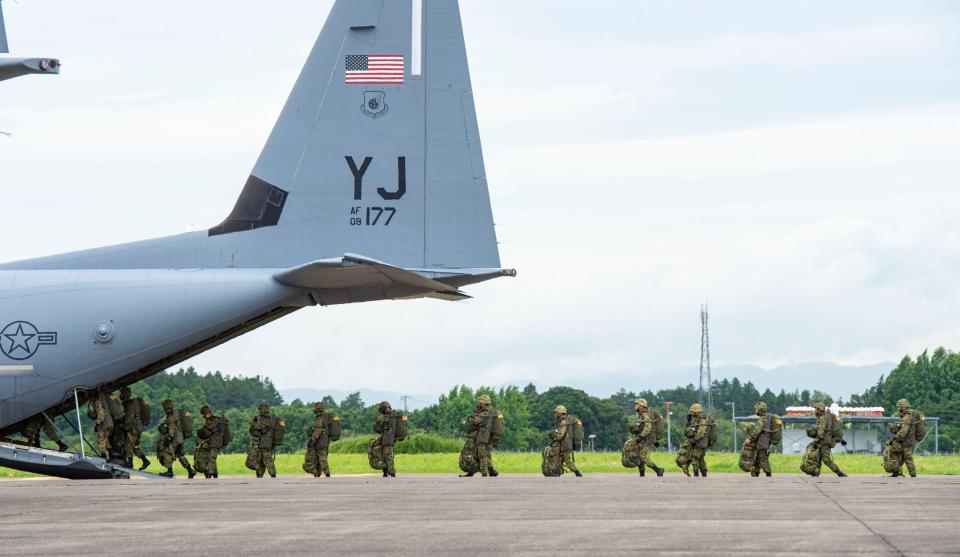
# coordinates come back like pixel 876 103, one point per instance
pixel 529 463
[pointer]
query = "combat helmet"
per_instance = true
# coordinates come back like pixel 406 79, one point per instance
pixel 484 399
pixel 641 402
pixel 167 404
pixel 561 409
pixel 125 393
pixel 819 407
pixel 204 410
pixel 263 409
pixel 385 405
pixel 903 404
pixel 318 407
pixel 760 407
pixel 696 408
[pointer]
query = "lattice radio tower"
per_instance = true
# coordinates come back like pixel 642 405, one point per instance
pixel 706 383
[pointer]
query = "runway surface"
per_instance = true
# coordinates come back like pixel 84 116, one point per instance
pixel 615 514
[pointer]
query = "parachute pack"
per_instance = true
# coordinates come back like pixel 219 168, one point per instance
pixel 577 431
pixel 115 408
pixel 144 411
pixel 334 431
pixel 713 432
pixel 279 431
pixel 497 429
pixel 186 424
pixel 656 420
pixel 401 427
pixel 920 425
pixel 774 425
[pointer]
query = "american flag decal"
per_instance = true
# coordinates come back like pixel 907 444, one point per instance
pixel 374 69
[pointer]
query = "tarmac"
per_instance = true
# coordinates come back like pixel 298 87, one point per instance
pixel 600 514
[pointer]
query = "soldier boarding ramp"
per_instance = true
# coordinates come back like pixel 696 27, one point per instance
pixel 70 466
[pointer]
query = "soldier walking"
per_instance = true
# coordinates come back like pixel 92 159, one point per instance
pixel 759 437
pixel 479 431
pixel 562 437
pixel 132 429
pixel 212 438
pixel 643 429
pixel 99 411
pixel 384 425
pixel 904 440
pixel 695 445
pixel 824 440
pixel 31 431
pixel 170 442
pixel 263 428
pixel 318 447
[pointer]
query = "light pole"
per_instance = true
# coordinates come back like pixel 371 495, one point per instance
pixel 733 416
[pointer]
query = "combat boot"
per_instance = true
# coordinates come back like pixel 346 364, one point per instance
pixel 386 474
pixel 577 473
pixel 494 473
pixel 215 476
pixel 467 475
pixel 274 476
pixel 326 474
pixel 840 474
pixel 191 472
pixel 146 463
pixel 206 475
pixel 696 473
pixel 167 474
pixel 659 472
pixel 393 474
pixel 769 474
pixel 62 446
pixel 259 475
pixel 704 473
pixel 643 471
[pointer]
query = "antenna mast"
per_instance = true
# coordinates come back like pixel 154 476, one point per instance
pixel 706 383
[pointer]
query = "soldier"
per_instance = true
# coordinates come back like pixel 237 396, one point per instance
pixel 904 440
pixel 758 435
pixel 824 440
pixel 697 439
pixel 99 411
pixel 318 447
pixel 170 442
pixel 643 429
pixel 262 429
pixel 479 429
pixel 31 431
pixel 383 424
pixel 562 437
pixel 132 429
pixel 211 440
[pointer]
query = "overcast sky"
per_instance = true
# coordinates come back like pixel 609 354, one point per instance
pixel 794 164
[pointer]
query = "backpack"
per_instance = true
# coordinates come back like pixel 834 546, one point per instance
pixel 747 456
pixel 836 428
pixel 253 454
pixel 144 411
pixel 552 464
pixel 497 429
pixel 469 462
pixel 226 430
pixel 713 432
pixel 577 432
pixel 333 428
pixel 810 465
pixel 656 433
pixel 630 455
pixel 278 431
pixel 115 408
pixel 920 425
pixel 375 455
pixel 186 424
pixel 401 429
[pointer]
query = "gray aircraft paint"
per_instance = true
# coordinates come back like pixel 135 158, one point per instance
pixel 16 67
pixel 4 45
pixel 113 315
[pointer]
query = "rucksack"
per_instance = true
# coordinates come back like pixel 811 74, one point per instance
pixel 375 455
pixel 469 462
pixel 920 423
pixel 115 408
pixel 656 433
pixel 577 432
pixel 278 431
pixel 497 429
pixel 630 455
pixel 333 428
pixel 810 464
pixel 552 463
pixel 186 424
pixel 144 411
pixel 401 429
pixel 713 432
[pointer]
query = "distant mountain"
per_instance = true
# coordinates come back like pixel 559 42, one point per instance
pixel 414 400
pixel 834 379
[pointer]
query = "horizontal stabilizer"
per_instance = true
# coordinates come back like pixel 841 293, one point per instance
pixel 16 67
pixel 358 273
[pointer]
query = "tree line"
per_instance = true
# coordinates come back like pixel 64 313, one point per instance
pixel 930 382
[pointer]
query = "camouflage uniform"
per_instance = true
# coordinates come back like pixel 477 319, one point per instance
pixel 318 447
pixel 31 431
pixel 132 429
pixel 170 441
pixel 697 438
pixel 823 441
pixel 643 428
pixel 759 438
pixel 262 428
pixel 562 437
pixel 904 439
pixel 479 427
pixel 210 442
pixel 383 425
pixel 100 410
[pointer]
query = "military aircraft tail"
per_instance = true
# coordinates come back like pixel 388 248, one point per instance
pixel 4 46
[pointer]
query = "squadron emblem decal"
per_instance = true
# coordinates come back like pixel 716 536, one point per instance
pixel 375 104
pixel 21 340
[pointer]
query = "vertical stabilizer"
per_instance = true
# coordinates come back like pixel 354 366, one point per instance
pixel 4 47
